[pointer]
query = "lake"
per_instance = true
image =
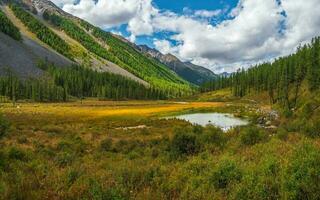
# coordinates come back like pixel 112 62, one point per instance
pixel 221 120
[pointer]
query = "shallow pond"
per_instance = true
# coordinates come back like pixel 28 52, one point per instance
pixel 221 120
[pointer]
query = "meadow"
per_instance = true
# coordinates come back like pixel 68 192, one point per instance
pixel 128 150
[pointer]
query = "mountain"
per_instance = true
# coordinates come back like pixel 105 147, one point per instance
pixel 190 72
pixel 225 74
pixel 49 34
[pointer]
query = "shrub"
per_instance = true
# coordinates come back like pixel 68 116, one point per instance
pixel 197 129
pixel 252 135
pixel 106 144
pixel 120 146
pixel 17 154
pixel 4 126
pixel 308 108
pixel 282 134
pixel 96 191
pixel 312 129
pixel 22 139
pixel 2 160
pixel 286 112
pixel 227 172
pixel 264 182
pixel 72 176
pixel 303 173
pixel 63 159
pixel 295 125
pixel 72 145
pixel 184 144
pixel 214 135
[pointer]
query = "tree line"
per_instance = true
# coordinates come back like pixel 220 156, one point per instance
pixel 141 65
pixel 61 84
pixel 8 28
pixel 281 79
pixel 121 54
pixel 41 31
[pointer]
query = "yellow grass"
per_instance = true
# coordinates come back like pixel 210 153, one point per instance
pixel 97 109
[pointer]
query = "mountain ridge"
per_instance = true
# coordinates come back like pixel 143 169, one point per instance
pixel 190 72
pixel 112 52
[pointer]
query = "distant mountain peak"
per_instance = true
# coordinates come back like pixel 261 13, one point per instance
pixel 171 58
pixel 190 72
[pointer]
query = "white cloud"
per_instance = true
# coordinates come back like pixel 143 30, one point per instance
pixel 63 2
pixel 254 32
pixel 107 13
pixel 207 13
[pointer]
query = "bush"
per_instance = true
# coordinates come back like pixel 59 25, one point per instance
pixel 227 172
pixel 214 135
pixel 4 126
pixel 22 139
pixel 308 108
pixel 3 160
pixel 282 134
pixel 252 135
pixel 64 159
pixel 312 129
pixel 106 144
pixel 74 145
pixel 96 191
pixel 120 146
pixel 264 182
pixel 184 144
pixel 303 173
pixel 197 129
pixel 17 154
pixel 72 176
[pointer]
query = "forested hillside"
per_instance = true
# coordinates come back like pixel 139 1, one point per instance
pixel 42 32
pixel 285 80
pixel 61 84
pixel 95 46
pixel 105 45
pixel 8 28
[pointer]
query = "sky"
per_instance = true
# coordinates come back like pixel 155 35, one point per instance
pixel 221 35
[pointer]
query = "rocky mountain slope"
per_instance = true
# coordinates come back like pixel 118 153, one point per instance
pixel 43 39
pixel 190 72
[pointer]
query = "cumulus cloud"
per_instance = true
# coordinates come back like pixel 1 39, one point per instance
pixel 256 30
pixel 207 13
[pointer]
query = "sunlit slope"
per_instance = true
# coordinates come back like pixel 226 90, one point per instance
pixel 107 46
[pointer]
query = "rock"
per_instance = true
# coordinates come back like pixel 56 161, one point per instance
pixel 271 127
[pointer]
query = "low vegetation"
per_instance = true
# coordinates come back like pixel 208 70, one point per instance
pixel 4 126
pixel 68 154
pixel 90 149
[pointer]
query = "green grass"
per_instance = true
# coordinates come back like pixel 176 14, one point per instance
pixel 73 150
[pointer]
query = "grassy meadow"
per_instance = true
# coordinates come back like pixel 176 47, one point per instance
pixel 128 150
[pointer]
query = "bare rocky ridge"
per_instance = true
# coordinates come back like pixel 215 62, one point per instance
pixel 22 57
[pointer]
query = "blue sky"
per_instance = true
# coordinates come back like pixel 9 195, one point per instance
pixel 179 7
pixel 221 35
